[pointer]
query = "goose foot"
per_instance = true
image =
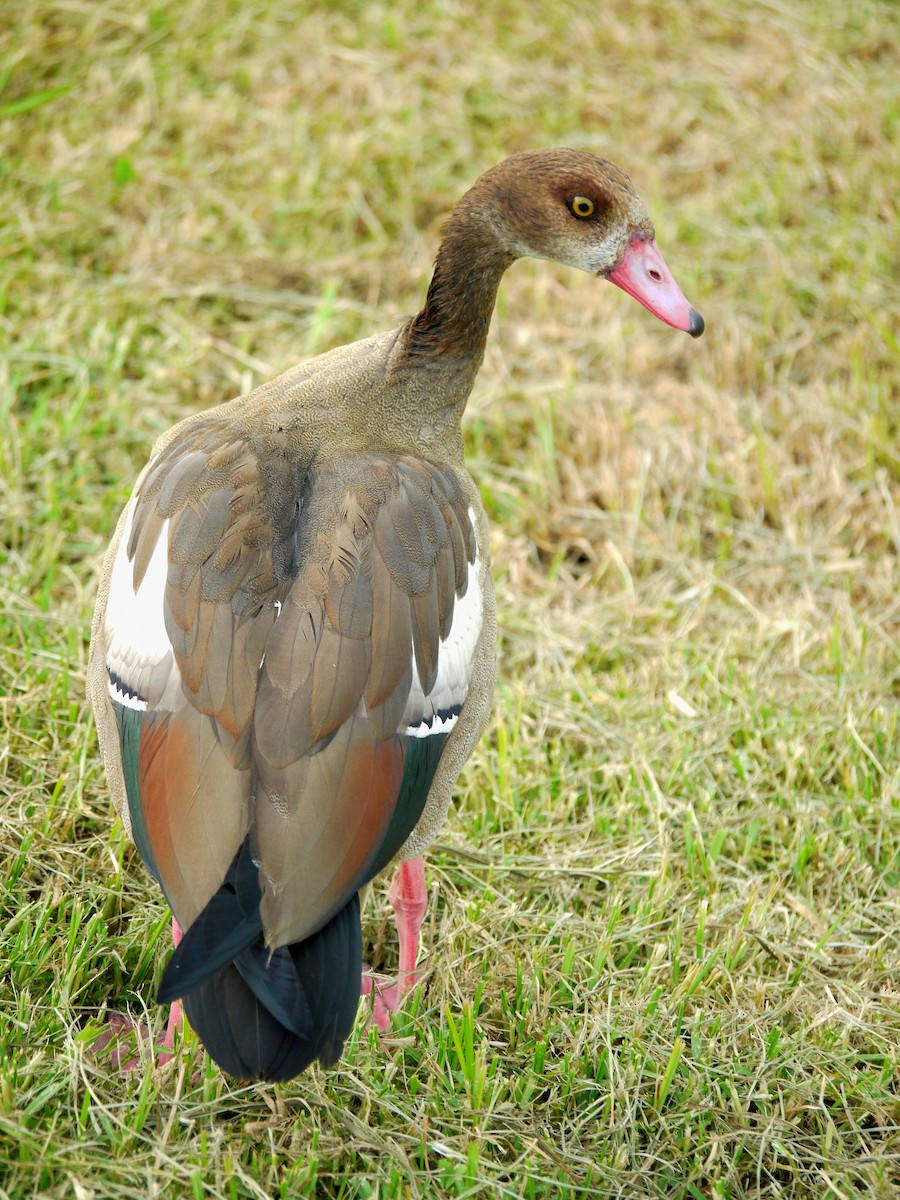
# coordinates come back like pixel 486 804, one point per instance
pixel 120 1029
pixel 385 993
pixel 409 899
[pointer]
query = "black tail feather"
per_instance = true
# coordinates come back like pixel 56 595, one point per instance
pixel 249 1021
pixel 229 924
pixel 274 981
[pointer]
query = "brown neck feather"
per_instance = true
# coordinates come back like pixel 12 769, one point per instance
pixel 452 328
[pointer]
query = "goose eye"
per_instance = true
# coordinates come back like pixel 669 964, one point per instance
pixel 581 207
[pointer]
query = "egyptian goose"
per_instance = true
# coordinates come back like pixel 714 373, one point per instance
pixel 292 653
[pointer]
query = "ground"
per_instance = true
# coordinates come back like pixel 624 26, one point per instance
pixel 662 949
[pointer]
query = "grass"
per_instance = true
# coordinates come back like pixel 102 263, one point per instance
pixel 663 934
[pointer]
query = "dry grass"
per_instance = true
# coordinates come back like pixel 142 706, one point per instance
pixel 665 916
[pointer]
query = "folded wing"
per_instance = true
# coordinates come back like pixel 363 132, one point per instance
pixel 288 649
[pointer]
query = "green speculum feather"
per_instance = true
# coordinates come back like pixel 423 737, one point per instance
pixel 422 757
pixel 129 721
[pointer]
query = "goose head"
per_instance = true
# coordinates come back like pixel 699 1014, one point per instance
pixel 574 208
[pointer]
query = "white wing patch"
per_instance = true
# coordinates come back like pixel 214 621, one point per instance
pixel 122 695
pixel 438 712
pixel 140 664
pixel 436 724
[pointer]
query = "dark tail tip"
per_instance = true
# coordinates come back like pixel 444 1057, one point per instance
pixel 264 1023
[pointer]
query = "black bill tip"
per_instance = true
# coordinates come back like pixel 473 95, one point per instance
pixel 697 324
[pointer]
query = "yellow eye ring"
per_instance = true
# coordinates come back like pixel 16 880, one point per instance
pixel 582 207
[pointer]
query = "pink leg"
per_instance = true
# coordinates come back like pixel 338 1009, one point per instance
pixel 409 899
pixel 174 1022
pixel 119 1025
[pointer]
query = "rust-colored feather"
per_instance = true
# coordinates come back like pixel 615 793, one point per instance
pixel 330 812
pixel 195 807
